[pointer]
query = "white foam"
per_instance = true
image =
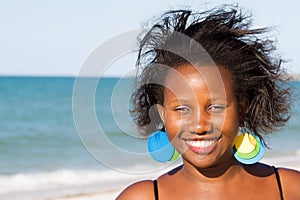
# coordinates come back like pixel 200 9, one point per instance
pixel 286 160
pixel 31 184
pixel 24 182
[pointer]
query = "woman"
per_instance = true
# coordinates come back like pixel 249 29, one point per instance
pixel 211 87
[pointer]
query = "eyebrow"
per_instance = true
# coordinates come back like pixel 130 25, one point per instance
pixel 175 100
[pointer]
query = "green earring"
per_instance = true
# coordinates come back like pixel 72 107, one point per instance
pixel 248 148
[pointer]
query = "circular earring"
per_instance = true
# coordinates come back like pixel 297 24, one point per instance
pixel 160 147
pixel 248 148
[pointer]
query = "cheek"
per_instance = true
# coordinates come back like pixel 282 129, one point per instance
pixel 173 126
pixel 229 125
pixel 225 123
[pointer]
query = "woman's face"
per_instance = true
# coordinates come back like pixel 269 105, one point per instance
pixel 201 113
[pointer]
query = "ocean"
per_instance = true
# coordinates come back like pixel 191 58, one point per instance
pixel 45 143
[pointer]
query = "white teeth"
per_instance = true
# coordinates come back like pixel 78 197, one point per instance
pixel 201 144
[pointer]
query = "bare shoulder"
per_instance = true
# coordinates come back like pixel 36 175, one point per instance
pixel 290 180
pixel 139 190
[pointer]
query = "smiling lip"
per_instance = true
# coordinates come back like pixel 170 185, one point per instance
pixel 202 146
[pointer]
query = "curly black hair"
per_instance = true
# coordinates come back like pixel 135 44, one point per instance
pixel 225 35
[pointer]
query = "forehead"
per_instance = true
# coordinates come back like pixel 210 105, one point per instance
pixel 209 78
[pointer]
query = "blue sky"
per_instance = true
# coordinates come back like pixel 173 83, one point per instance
pixel 55 37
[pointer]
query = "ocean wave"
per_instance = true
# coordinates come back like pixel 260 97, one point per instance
pixel 286 159
pixel 69 178
pixel 24 182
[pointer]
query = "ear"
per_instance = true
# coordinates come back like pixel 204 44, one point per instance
pixel 161 111
pixel 243 106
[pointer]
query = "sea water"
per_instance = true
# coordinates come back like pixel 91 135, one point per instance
pixel 42 146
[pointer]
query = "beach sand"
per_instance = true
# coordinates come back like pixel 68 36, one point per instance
pixel 105 194
pixel 113 192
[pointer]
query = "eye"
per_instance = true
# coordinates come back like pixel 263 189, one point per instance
pixel 182 109
pixel 215 108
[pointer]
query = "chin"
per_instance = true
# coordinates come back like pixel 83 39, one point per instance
pixel 208 160
pixel 200 161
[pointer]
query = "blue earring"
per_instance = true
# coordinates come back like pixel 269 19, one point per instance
pixel 160 147
pixel 248 148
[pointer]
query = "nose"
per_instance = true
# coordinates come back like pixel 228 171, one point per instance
pixel 201 124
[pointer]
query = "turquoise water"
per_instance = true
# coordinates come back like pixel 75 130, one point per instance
pixel 37 131
pixel 38 136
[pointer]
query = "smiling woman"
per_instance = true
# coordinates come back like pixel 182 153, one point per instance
pixel 200 117
pixel 210 83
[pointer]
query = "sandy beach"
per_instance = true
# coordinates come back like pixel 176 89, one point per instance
pixel 92 195
pixel 105 194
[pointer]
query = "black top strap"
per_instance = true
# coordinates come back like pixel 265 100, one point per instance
pixel 155 189
pixel 278 182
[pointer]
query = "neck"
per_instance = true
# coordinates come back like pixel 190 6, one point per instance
pixel 225 171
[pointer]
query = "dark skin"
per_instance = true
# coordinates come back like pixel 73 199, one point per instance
pixel 202 116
